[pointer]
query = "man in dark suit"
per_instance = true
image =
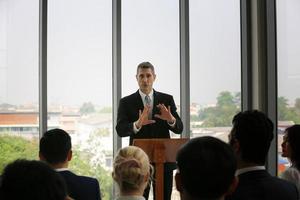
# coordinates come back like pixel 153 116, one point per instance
pixel 55 149
pixel 250 139
pixel 149 114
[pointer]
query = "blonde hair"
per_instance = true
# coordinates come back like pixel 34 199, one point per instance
pixel 131 166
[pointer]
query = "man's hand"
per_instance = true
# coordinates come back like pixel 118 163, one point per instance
pixel 143 118
pixel 165 114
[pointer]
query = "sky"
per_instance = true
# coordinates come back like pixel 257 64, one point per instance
pixel 79 49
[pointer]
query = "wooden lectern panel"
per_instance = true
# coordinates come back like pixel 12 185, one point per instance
pixel 159 152
pixel 170 147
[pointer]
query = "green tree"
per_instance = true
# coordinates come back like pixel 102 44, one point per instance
pixel 80 165
pixel 283 110
pixel 225 99
pixel 87 108
pixel 294 114
pixel 106 110
pixel 297 106
pixel 237 99
pixel 14 147
pixel 221 115
pixel 286 113
pixel 194 118
pixel 101 132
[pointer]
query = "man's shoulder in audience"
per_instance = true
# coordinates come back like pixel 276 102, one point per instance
pixel 81 186
pixel 262 186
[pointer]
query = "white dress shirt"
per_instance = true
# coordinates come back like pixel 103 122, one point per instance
pixel 249 169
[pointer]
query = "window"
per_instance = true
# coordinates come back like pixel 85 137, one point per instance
pixel 79 83
pixel 288 52
pixel 215 69
pixel 150 32
pixel 19 23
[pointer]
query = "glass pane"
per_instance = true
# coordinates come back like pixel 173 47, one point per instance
pixel 150 32
pixel 215 66
pixel 288 51
pixel 79 83
pixel 19 25
pixel 151 37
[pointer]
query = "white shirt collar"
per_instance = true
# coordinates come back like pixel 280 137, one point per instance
pixel 131 198
pixel 248 169
pixel 143 95
pixel 61 169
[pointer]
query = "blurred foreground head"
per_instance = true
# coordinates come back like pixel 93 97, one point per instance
pixel 205 169
pixel 34 180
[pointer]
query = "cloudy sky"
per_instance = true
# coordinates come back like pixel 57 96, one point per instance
pixel 79 49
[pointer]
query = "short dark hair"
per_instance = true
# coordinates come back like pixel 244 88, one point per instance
pixel 254 132
pixel 207 167
pixel 55 145
pixel 293 138
pixel 145 65
pixel 34 180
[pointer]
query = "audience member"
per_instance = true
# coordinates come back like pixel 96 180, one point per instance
pixel 131 171
pixel 291 150
pixel 205 169
pixel 34 180
pixel 250 139
pixel 55 149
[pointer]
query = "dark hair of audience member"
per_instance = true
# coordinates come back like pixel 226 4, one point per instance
pixel 55 147
pixel 254 131
pixel 34 180
pixel 207 167
pixel 293 138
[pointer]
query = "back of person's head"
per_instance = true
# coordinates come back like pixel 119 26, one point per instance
pixel 206 169
pixel 34 180
pixel 293 138
pixel 55 146
pixel 131 169
pixel 145 65
pixel 254 132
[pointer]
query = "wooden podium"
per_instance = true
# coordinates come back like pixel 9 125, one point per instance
pixel 159 152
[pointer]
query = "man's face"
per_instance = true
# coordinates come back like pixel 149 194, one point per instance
pixel 145 78
pixel 286 151
pixel 231 137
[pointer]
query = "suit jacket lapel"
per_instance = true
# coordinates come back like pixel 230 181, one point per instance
pixel 156 97
pixel 139 101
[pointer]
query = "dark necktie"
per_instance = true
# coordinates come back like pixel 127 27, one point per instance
pixel 148 103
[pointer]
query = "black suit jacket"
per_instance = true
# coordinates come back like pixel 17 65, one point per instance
pixel 260 185
pixel 128 112
pixel 81 187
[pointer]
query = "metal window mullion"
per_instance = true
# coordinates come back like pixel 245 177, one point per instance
pixel 246 55
pixel 43 6
pixel 259 66
pixel 272 81
pixel 116 72
pixel 184 66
